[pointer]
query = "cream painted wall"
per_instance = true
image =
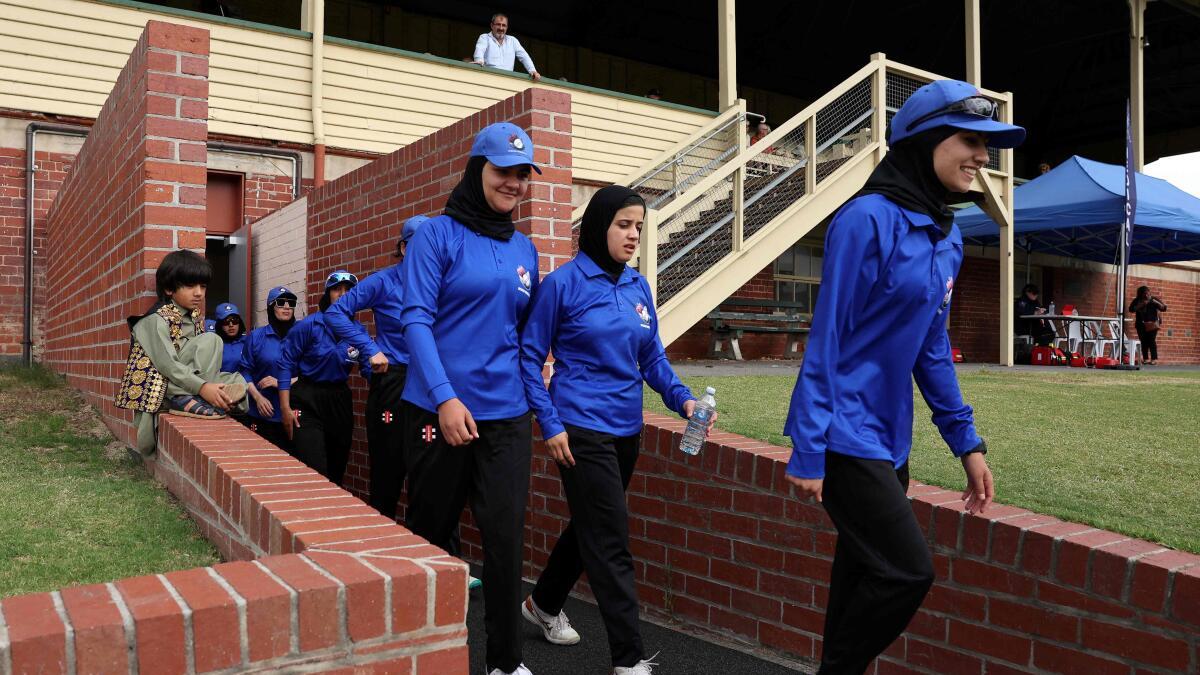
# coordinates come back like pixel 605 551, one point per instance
pixel 62 57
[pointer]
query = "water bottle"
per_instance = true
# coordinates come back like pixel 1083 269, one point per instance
pixel 697 428
pixel 1050 309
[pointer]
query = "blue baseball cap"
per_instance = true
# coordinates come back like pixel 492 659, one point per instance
pixel 226 310
pixel 209 325
pixel 504 144
pixel 411 226
pixel 952 103
pixel 279 292
pixel 340 277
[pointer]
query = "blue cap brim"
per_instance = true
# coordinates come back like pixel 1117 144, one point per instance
pixel 507 160
pixel 1000 135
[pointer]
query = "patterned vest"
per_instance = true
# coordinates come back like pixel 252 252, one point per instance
pixel 142 386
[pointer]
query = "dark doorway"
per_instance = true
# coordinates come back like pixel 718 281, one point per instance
pixel 224 211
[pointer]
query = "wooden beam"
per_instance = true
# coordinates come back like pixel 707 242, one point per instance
pixel 726 55
pixel 974 65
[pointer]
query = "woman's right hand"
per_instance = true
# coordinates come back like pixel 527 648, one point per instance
pixel 456 422
pixel 263 404
pixel 560 450
pixel 289 419
pixel 379 363
pixel 267 382
pixel 807 488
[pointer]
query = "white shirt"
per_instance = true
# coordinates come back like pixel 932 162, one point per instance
pixel 502 54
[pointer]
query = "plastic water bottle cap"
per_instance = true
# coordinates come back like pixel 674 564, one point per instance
pixel 710 391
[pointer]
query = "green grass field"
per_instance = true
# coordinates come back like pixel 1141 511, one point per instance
pixel 1119 451
pixel 75 507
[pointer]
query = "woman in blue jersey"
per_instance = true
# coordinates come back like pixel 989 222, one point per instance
pixel 383 294
pixel 232 330
pixel 891 257
pixel 318 409
pixel 260 353
pixel 596 314
pixel 468 276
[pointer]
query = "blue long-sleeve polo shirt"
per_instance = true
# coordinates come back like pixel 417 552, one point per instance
pixel 260 353
pixel 886 284
pixel 465 296
pixel 231 354
pixel 312 352
pixel 383 294
pixel 604 337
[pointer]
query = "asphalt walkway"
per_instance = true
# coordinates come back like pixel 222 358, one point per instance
pixel 679 653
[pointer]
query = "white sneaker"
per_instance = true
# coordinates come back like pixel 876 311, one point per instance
pixel 643 667
pixel 521 670
pixel 557 629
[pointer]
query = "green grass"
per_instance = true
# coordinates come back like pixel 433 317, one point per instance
pixel 75 507
pixel 1118 451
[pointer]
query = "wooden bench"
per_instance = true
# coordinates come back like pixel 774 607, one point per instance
pixel 728 327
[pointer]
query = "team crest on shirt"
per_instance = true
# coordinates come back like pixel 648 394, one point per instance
pixel 515 141
pixel 643 313
pixel 948 295
pixel 523 276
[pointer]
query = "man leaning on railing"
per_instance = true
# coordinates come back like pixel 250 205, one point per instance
pixel 498 49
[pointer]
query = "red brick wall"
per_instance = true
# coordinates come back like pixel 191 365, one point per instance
pixel 355 220
pixel 50 172
pixel 975 322
pixel 721 543
pixel 340 588
pixel 136 192
pixel 264 194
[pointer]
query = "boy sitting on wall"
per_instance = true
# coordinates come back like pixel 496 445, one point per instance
pixel 172 361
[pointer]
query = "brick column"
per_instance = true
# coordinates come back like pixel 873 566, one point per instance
pixel 135 193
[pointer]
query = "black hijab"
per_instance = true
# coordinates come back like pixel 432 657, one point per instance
pixel 593 231
pixel 468 205
pixel 241 329
pixel 906 176
pixel 281 328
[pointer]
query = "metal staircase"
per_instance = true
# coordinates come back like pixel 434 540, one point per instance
pixel 721 212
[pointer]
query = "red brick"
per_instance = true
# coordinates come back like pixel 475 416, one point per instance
pixel 1073 553
pixel 36 635
pixel 956 602
pixel 409 583
pixel 1033 620
pixel 1148 587
pixel 1185 595
pixel 1141 646
pixel 100 641
pixel 1111 566
pixel 215 625
pixel 268 609
pixel 1037 545
pixel 982 575
pixel 451 591
pixel 941 660
pixel 452 660
pixel 320 620
pixel 176 37
pixel 790 641
pixel 192 65
pixel 158 625
pixel 1055 659
pixel 1048 593
pixel 986 640
pixel 364 592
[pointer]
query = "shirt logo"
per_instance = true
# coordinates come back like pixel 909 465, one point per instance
pixel 297 413
pixel 643 313
pixel 386 417
pixel 515 141
pixel 428 433
pixel 526 281
pixel 948 295
pixel 351 353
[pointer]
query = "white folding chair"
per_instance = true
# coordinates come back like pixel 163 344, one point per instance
pixel 1094 342
pixel 1132 346
pixel 1074 336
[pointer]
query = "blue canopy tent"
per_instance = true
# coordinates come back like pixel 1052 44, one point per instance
pixel 1077 208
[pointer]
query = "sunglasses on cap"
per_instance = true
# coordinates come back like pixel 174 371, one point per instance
pixel 285 302
pixel 979 106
